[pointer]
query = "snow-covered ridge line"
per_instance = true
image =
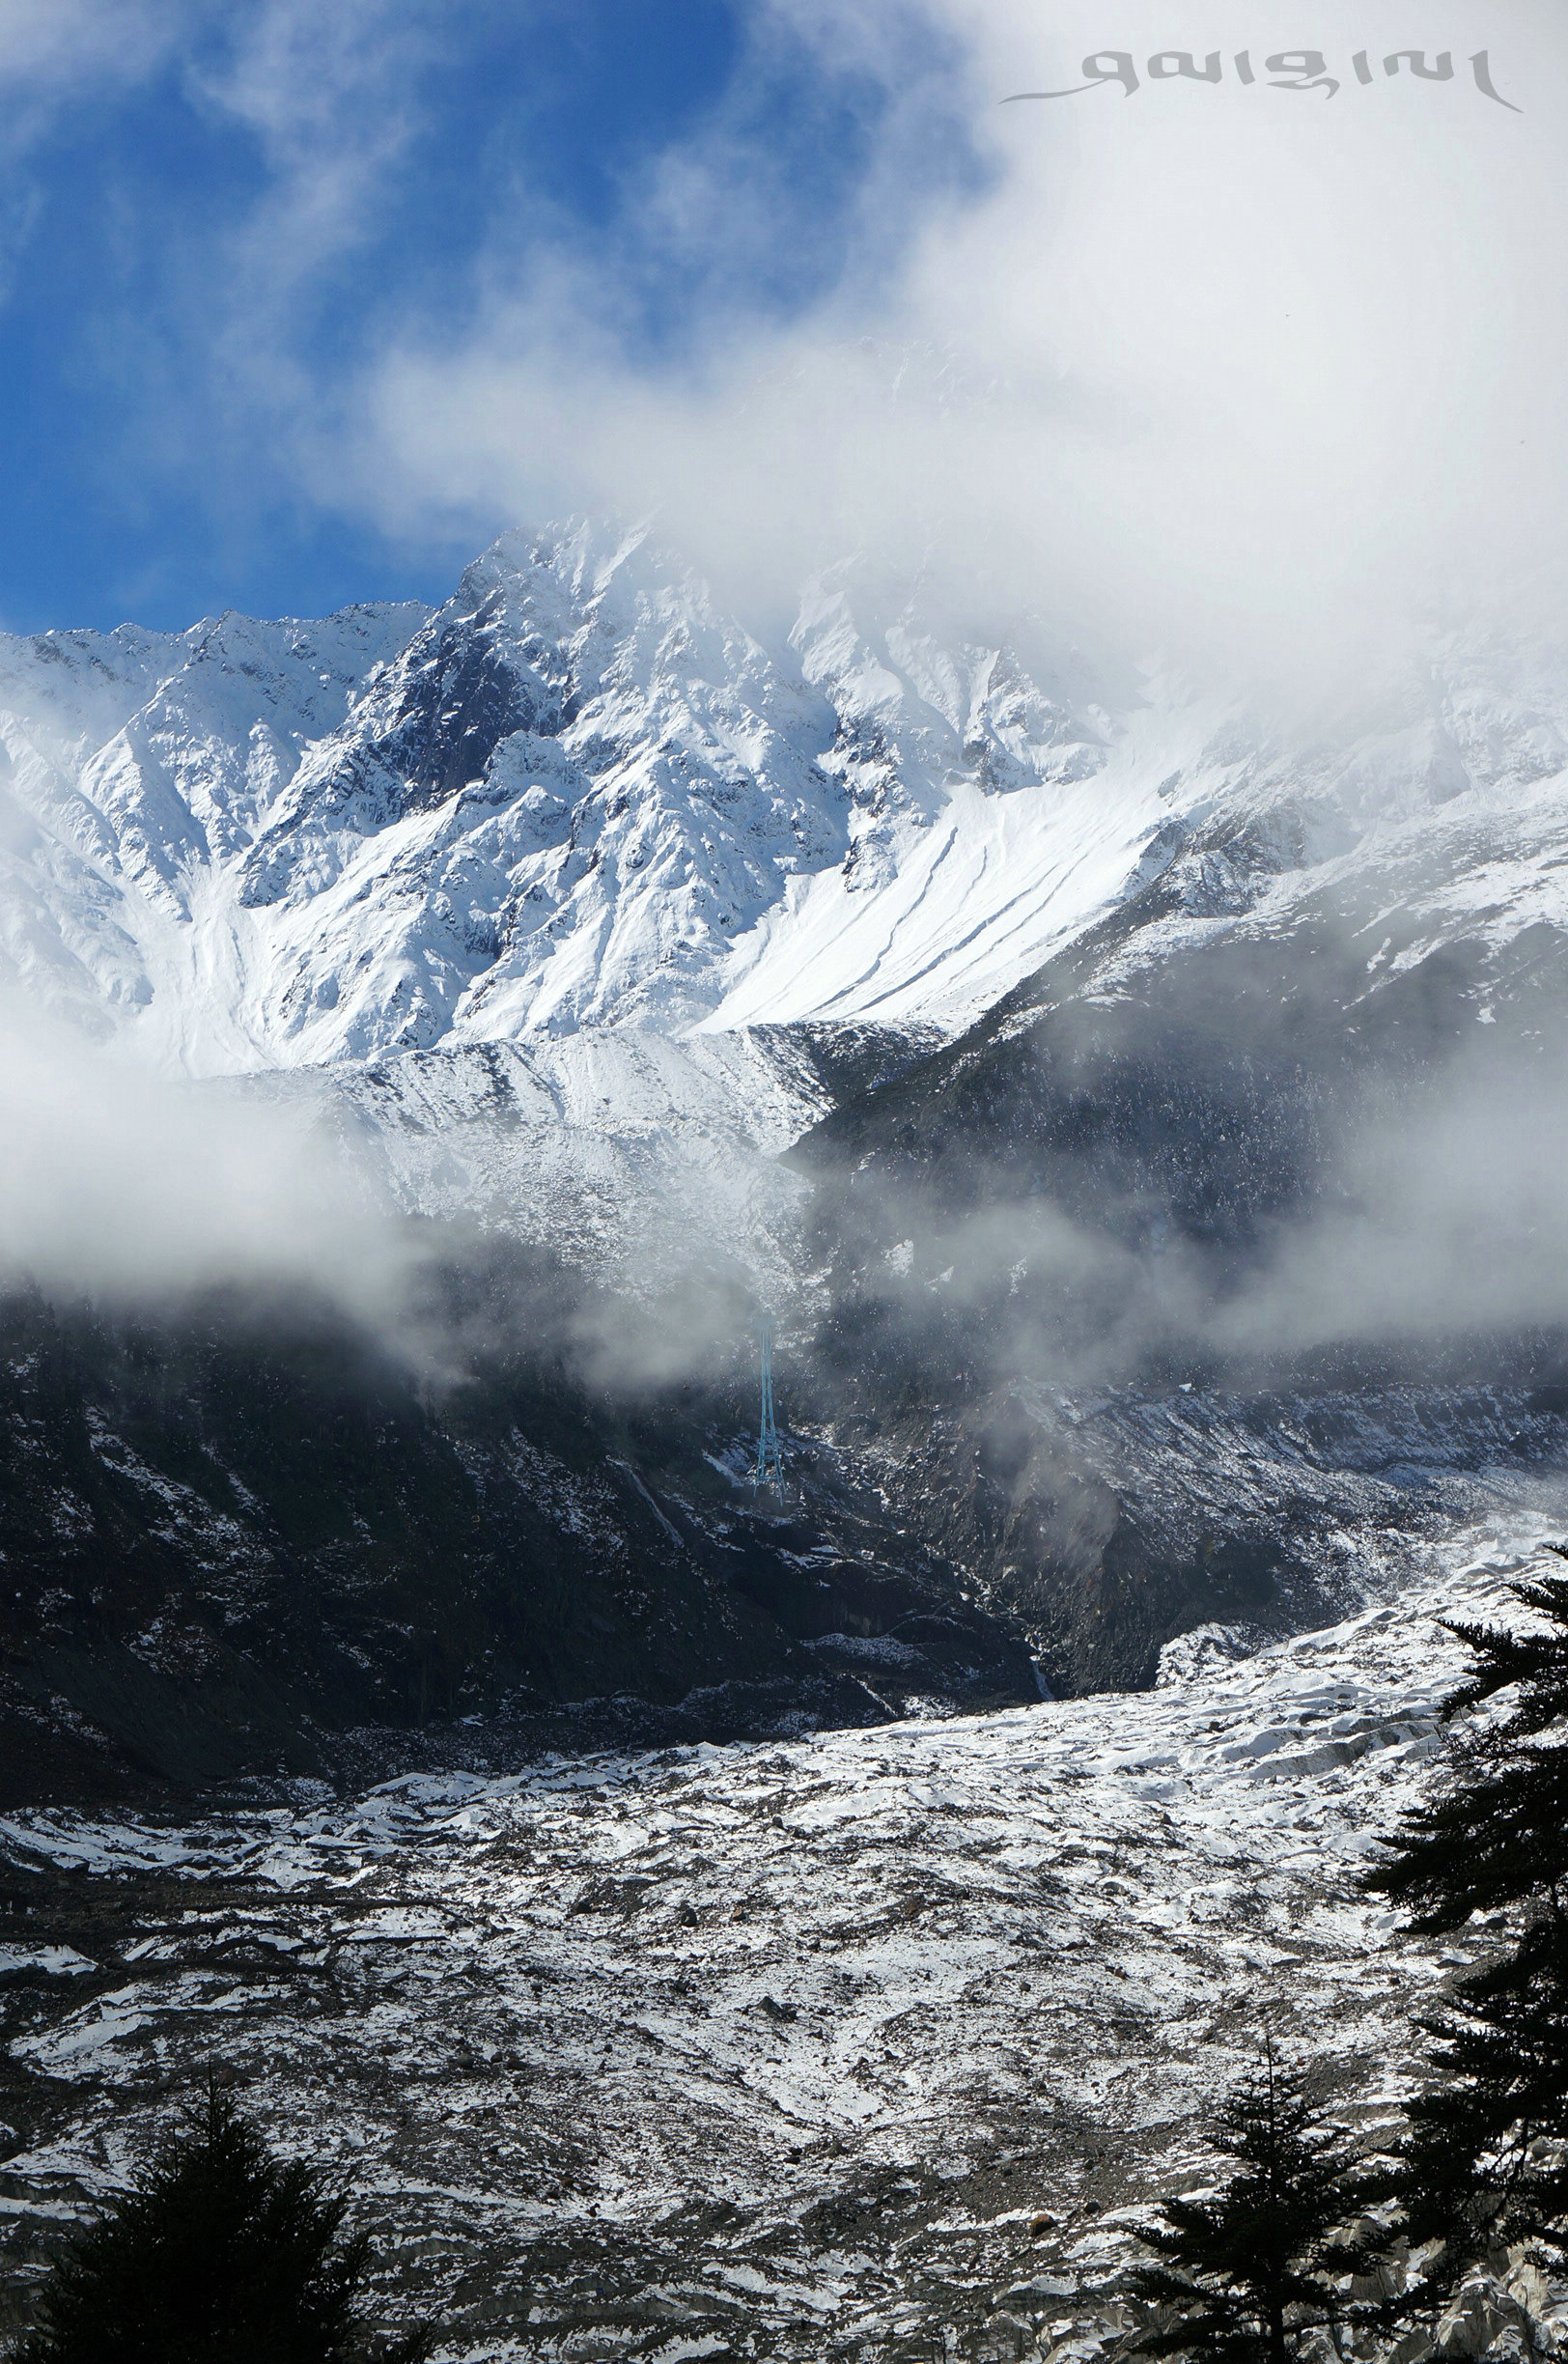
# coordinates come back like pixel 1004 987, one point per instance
pixel 567 799
pixel 581 796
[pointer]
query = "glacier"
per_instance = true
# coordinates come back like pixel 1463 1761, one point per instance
pixel 888 2038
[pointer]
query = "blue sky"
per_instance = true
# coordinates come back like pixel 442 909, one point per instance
pixel 213 220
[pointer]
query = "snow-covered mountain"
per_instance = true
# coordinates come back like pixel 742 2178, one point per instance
pixel 580 902
pixel 579 899
pixel 579 795
pixel 576 795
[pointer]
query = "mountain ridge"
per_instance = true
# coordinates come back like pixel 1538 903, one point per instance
pixel 579 794
pixel 576 793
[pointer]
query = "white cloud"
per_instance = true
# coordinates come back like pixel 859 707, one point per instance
pixel 63 45
pixel 117 1184
pixel 1227 369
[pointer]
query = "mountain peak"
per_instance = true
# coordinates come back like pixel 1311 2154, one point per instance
pixel 581 794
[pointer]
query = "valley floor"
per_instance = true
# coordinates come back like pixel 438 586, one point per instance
pixel 871 2042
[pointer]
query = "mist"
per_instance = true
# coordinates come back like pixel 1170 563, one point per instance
pixel 118 1183
pixel 1449 1218
pixel 126 1188
pixel 1435 1215
pixel 1425 1232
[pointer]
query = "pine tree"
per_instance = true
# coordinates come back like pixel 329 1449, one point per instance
pixel 220 2255
pixel 1474 2175
pixel 1497 1834
pixel 1254 2270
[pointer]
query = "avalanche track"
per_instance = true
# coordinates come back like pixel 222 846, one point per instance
pixel 877 2041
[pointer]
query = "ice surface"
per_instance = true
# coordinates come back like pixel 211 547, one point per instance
pixel 802 2035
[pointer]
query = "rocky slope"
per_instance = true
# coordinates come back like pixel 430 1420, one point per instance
pixel 1222 1238
pixel 247 1540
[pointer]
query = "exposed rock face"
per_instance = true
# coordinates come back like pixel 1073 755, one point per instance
pixel 234 1539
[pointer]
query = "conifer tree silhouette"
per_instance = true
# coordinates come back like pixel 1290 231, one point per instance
pixel 221 2254
pixel 1483 2166
pixel 1497 1834
pixel 1248 2274
pixel 1475 2175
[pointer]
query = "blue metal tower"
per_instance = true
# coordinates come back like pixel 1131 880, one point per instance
pixel 769 1469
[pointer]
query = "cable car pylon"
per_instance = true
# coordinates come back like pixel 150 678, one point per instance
pixel 769 1469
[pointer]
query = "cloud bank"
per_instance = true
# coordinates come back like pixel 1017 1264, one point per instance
pixel 1257 374
pixel 118 1185
pixel 1254 374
